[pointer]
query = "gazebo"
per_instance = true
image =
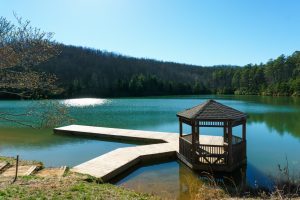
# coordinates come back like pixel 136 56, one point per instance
pixel 212 153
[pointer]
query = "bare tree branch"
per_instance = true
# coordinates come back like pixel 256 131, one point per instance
pixel 16 121
pixel 22 48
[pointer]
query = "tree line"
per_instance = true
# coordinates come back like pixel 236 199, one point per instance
pixel 83 72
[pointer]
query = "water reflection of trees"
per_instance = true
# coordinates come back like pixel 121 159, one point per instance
pixel 268 100
pixel 282 122
pixel 28 137
pixel 42 138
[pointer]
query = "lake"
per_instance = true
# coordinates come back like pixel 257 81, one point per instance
pixel 273 136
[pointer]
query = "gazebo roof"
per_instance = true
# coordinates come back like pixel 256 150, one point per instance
pixel 212 110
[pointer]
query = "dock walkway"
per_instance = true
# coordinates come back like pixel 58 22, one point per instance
pixel 113 163
pixel 117 133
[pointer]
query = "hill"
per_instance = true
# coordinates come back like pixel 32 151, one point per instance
pixel 88 72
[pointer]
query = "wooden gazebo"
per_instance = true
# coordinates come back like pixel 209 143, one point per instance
pixel 212 153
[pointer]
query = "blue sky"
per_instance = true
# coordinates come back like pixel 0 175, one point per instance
pixel 199 32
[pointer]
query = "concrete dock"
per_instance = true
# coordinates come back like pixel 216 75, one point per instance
pixel 116 162
pixel 117 133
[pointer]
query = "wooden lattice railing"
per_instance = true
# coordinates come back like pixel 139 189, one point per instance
pixel 236 140
pixel 185 147
pixel 212 154
pixel 205 154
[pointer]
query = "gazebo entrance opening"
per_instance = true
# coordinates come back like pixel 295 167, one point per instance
pixel 205 152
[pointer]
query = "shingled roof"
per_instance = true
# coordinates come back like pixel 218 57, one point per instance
pixel 210 110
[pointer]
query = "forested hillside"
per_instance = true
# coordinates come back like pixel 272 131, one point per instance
pixel 89 72
pixel 94 73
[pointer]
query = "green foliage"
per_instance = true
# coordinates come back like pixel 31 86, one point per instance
pixel 69 187
pixel 89 72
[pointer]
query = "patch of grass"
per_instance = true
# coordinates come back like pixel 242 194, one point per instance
pixel 78 186
pixel 203 190
pixel 12 161
pixel 71 186
pixel 93 179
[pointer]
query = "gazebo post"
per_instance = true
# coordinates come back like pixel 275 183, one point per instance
pixel 229 143
pixel 244 130
pixel 193 141
pixel 180 127
pixel 225 135
pixel 197 131
pixel 244 139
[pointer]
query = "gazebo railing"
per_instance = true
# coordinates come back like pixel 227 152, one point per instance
pixel 236 139
pixel 185 147
pixel 212 154
pixel 239 152
pixel 205 153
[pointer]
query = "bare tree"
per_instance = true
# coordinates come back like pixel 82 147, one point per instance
pixel 22 48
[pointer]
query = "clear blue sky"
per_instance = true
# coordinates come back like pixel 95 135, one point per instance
pixel 197 32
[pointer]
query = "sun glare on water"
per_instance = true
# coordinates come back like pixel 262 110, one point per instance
pixel 83 102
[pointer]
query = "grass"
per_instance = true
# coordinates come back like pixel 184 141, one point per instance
pixel 12 161
pixel 71 186
pixel 78 186
pixel 203 190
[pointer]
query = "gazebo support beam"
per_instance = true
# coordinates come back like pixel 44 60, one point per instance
pixel 196 124
pixel 193 142
pixel 230 158
pixel 225 134
pixel 244 130
pixel 180 127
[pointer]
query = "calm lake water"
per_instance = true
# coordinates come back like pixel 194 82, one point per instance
pixel 273 136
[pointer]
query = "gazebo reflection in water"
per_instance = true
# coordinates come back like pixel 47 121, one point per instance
pixel 212 153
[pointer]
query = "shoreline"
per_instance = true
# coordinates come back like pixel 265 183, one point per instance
pixel 152 96
pixel 69 186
